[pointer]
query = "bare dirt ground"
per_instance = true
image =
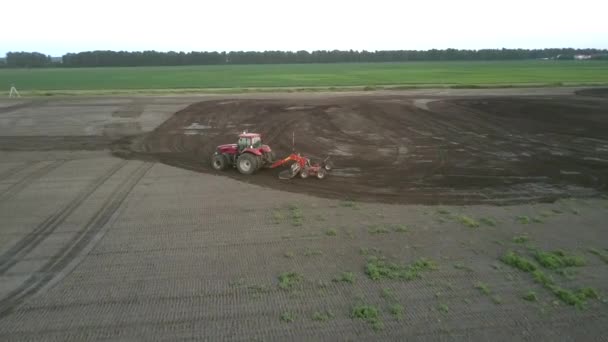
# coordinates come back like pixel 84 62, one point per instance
pixel 95 247
pixel 407 150
pixel 595 92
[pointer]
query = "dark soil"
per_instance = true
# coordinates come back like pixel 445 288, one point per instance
pixel 392 149
pixel 54 143
pixel 596 92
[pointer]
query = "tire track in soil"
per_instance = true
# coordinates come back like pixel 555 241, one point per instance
pixel 56 265
pixel 9 109
pixel 54 143
pixel 15 170
pixel 25 181
pixel 51 223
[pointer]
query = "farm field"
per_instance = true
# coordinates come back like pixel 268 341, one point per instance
pixel 313 76
pixel 453 214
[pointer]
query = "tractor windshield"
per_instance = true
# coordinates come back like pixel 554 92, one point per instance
pixel 256 142
pixel 244 143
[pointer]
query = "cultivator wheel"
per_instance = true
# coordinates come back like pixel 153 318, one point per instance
pixel 321 174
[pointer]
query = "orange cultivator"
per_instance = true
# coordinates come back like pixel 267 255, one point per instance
pixel 303 166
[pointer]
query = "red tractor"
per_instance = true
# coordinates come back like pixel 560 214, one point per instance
pixel 247 155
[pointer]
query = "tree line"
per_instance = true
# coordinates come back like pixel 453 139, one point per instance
pixel 156 58
pixel 26 60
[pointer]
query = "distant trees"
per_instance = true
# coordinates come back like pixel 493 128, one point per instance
pixel 155 58
pixel 27 60
pixel 143 58
pixel 149 58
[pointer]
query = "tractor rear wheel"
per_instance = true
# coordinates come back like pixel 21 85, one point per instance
pixel 260 162
pixel 219 162
pixel 247 163
pixel 273 156
pixel 270 157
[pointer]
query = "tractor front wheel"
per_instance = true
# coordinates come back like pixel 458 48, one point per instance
pixel 247 163
pixel 219 162
pixel 304 173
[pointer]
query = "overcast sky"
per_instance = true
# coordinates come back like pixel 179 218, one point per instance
pixel 60 26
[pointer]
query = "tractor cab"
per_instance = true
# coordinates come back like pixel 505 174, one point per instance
pixel 249 140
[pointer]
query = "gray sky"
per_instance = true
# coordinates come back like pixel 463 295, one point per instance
pixel 60 26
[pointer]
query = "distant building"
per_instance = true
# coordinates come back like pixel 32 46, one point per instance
pixel 581 57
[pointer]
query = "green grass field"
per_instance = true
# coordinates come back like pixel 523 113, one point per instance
pixel 234 77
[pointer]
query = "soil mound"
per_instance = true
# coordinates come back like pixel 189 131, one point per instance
pixel 392 149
